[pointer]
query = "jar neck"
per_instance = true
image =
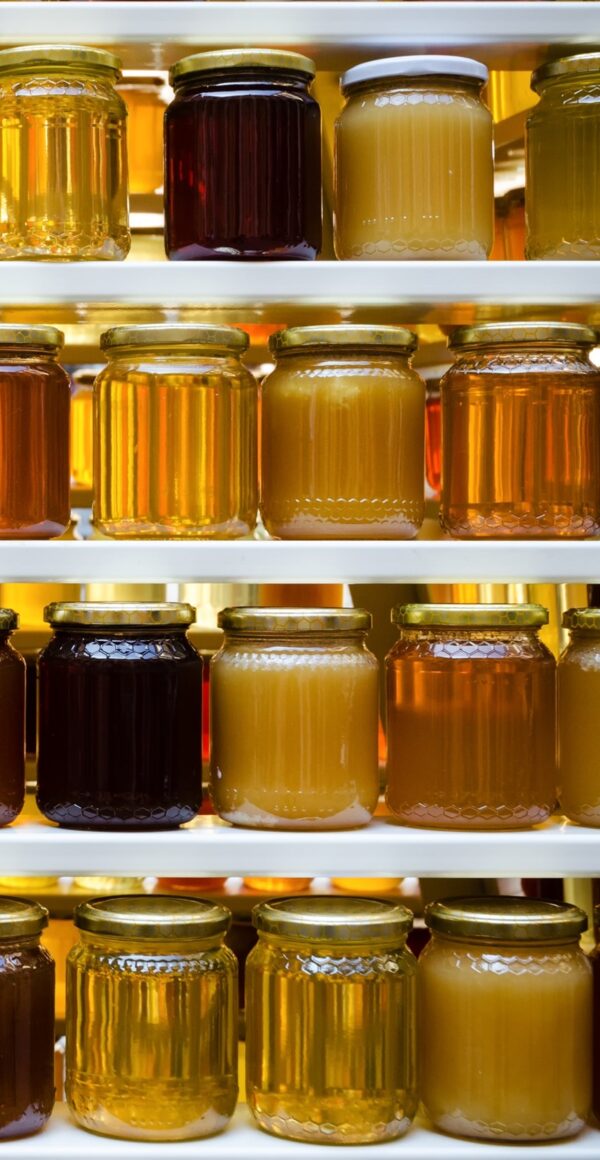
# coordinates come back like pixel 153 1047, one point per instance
pixel 336 354
pixel 124 631
pixel 19 943
pixel 465 632
pixel 128 945
pixel 505 349
pixel 22 353
pixel 301 640
pixel 242 79
pixel 470 86
pixel 331 948
pixel 507 947
pixel 171 352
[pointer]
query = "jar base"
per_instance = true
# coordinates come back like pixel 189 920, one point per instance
pixel 456 1125
pixel 73 817
pixel 178 530
pixel 254 818
pixel 29 1123
pixel 494 523
pixel 328 1129
pixel 449 818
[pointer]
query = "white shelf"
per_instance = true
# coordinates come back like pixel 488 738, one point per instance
pixel 298 561
pixel 62 1140
pixel 209 847
pixel 512 35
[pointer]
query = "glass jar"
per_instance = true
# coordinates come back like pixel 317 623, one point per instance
pixel 26 1020
pixel 258 195
pixel 562 155
pixel 152 1011
pixel 595 961
pixel 578 702
pixel 146 96
pixel 12 722
pixel 471 717
pixel 34 420
pixel 433 436
pixel 520 398
pixel 294 717
pixel 120 717
pixel 505 1019
pixel 63 154
pixel 413 161
pixel 330 1020
pixel 175 433
pixel 343 421
pixel 82 426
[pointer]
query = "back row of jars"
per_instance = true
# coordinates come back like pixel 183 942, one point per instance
pixel 471 718
pixel 413 158
pixel 176 447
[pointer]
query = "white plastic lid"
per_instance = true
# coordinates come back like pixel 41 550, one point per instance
pixel 414 66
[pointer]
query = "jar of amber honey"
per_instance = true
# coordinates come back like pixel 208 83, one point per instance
pixel 471 717
pixel 563 218
pixel 343 420
pixel 330 1020
pixel 413 161
pixel 120 717
pixel 505 1019
pixel 517 401
pixel 578 705
pixel 34 410
pixel 258 195
pixel 175 449
pixel 152 1010
pixel 146 96
pixel 294 719
pixel 12 721
pixel 26 1020
pixel 595 961
pixel 63 163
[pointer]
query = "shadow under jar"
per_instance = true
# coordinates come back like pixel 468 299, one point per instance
pixel 330 1020
pixel 12 721
pixel 26 1020
pixel 505 1019
pixel 175 434
pixel 343 417
pixel 414 161
pixel 294 719
pixel 471 724
pixel 521 433
pixel 243 157
pixel 120 717
pixel 152 1014
pixel 63 154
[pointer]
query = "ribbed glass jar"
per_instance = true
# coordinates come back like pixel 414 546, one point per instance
pixel 343 418
pixel 505 1019
pixel 518 401
pixel 471 717
pixel 63 154
pixel 578 701
pixel 152 1010
pixel 330 1020
pixel 12 721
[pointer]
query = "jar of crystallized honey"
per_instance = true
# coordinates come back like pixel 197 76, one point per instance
pixel 330 1020
pixel 578 702
pixel 294 719
pixel 152 1010
pixel 343 417
pixel 517 401
pixel 505 1019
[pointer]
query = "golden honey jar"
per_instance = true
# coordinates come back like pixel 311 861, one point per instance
pixel 152 1009
pixel 578 704
pixel 330 1020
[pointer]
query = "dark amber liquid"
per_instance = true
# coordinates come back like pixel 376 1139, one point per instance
pixel 120 729
pixel 243 168
pixel 433 442
pixel 595 961
pixel 12 732
pixel 26 1037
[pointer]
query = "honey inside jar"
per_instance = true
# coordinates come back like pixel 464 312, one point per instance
pixel 578 702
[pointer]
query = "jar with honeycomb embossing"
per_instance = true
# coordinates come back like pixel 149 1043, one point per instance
pixel 505 1019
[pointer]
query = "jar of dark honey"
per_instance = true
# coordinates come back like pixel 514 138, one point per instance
pixel 12 721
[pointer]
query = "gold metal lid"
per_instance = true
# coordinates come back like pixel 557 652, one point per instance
pixel 518 333
pixel 175 334
pixel 582 619
pixel 345 334
pixel 46 336
pixel 287 620
pixel 132 612
pixel 339 920
pixel 505 919
pixel 474 615
pixel 153 916
pixel 242 58
pixel 584 62
pixel 20 917
pixel 9 619
pixel 34 56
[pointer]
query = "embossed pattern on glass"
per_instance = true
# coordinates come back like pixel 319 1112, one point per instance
pixel 578 702
pixel 26 1036
pixel 505 1039
pixel 12 732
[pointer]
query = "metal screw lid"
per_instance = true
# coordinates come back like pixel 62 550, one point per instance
pixel 430 65
pixel 274 59
pixel 176 334
pixel 582 619
pixel 520 333
pixel 21 917
pixel 287 620
pixel 105 615
pixel 153 916
pixel 345 334
pixel 471 615
pixel 578 65
pixel 34 56
pixel 15 334
pixel 506 919
pixel 339 920
pixel 9 619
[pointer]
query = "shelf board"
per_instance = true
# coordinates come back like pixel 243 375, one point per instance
pixel 211 847
pixel 511 35
pixel 62 1140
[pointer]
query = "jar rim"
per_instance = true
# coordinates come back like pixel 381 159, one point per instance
pixel 577 65
pixel 329 919
pixel 271 59
pixel 9 619
pixel 514 333
pixel 195 334
pixel 344 334
pixel 505 919
pixel 156 916
pixel 20 334
pixel 470 615
pixel 425 65
pixel 34 55
pixel 106 614
pixel 294 620
pixel 582 619
pixel 20 917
